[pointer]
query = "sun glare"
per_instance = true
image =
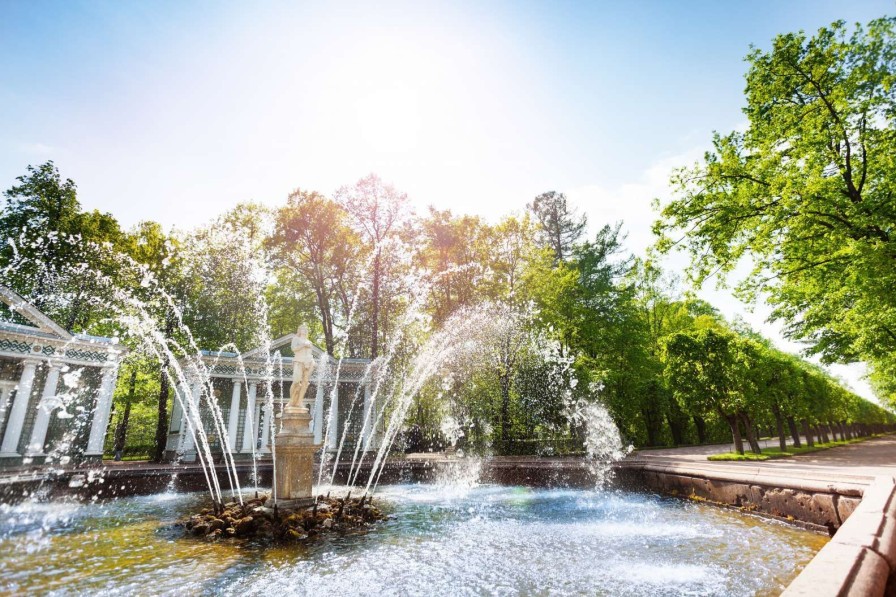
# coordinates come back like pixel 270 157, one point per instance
pixel 389 120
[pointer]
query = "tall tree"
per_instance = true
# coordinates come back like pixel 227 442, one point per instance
pixel 160 256
pixel 807 191
pixel 511 248
pixel 227 264
pixel 377 211
pixel 312 238
pixel 55 254
pixel 451 252
pixel 560 227
pixel 700 369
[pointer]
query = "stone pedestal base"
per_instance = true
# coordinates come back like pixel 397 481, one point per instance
pixel 295 472
pixel 294 461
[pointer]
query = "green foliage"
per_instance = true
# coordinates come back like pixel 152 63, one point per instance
pixel 315 253
pixel 807 193
pixel 50 244
pixel 560 228
pixel 573 319
pixel 452 251
pixel 224 264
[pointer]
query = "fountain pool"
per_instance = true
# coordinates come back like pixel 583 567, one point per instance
pixel 439 540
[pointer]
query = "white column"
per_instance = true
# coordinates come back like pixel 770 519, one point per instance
pixel 188 443
pixel 266 428
pixel 176 415
pixel 317 421
pixel 234 419
pixel 101 412
pixel 10 443
pixel 46 406
pixel 333 439
pixel 249 423
pixel 182 426
pixel 185 441
pixel 368 418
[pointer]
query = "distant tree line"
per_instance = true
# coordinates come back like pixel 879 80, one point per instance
pixel 668 367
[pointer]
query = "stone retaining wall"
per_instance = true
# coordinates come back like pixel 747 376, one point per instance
pixel 819 504
pixel 861 557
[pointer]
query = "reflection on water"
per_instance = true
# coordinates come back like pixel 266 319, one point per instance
pixel 477 540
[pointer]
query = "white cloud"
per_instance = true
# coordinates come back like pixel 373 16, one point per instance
pixel 631 202
pixel 38 149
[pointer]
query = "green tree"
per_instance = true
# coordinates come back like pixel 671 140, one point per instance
pixel 452 252
pixel 55 254
pixel 807 191
pixel 160 258
pixel 511 247
pixel 312 239
pixel 702 370
pixel 560 227
pixel 227 267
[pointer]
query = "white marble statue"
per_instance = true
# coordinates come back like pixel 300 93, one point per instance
pixel 302 366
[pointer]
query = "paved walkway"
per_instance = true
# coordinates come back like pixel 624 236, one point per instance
pixel 861 460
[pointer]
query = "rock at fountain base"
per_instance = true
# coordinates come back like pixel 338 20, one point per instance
pixel 254 520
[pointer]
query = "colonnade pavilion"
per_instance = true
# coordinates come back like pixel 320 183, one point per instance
pixel 56 394
pixel 56 387
pixel 245 384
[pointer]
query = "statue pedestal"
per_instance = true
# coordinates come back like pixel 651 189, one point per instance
pixel 294 457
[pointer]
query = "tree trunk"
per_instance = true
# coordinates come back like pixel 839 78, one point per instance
pixel 751 434
pixel 808 433
pixel 675 418
pixel 650 425
pixel 505 408
pixel 844 435
pixel 164 392
pixel 162 421
pixel 375 292
pixel 791 424
pixel 675 429
pixel 326 316
pixel 700 425
pixel 779 423
pixel 832 430
pixel 74 311
pixel 735 433
pixel 121 430
pixel 822 433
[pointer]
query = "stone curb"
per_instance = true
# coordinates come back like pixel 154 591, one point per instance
pixel 852 485
pixel 861 556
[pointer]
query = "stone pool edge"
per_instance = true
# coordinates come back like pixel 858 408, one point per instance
pixel 859 511
pixel 860 558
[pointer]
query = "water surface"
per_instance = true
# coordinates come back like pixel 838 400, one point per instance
pixel 484 540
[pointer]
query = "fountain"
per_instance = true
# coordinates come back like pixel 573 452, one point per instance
pixel 437 538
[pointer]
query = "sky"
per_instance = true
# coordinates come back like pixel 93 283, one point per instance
pixel 177 111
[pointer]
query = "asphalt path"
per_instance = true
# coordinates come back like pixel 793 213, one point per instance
pixel 866 459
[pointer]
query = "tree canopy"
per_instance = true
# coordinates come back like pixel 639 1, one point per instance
pixel 806 193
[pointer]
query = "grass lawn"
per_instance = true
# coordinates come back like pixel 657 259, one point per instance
pixel 772 453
